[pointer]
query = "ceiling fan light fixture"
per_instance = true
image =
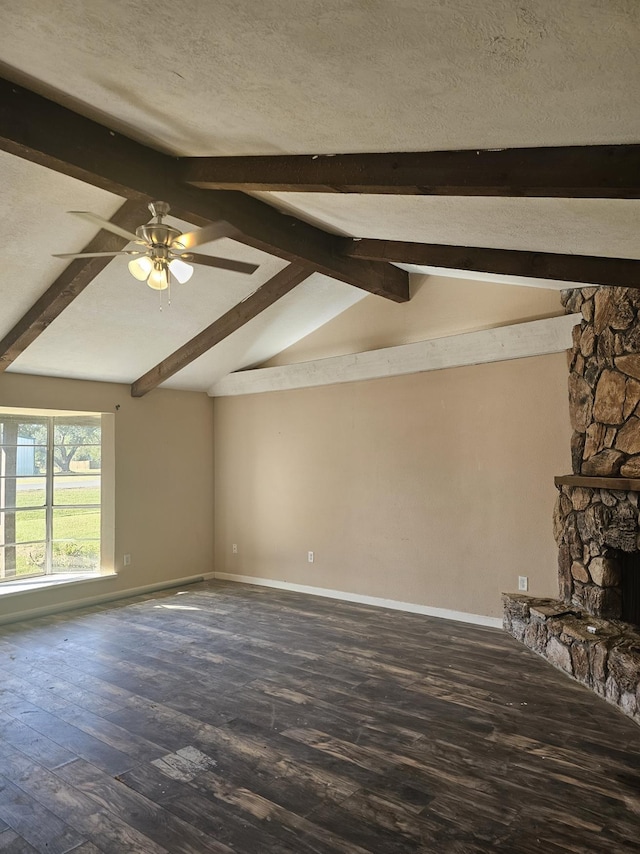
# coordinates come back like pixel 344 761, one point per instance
pixel 141 267
pixel 159 277
pixel 158 248
pixel 180 270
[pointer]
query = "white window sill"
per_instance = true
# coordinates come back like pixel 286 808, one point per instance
pixel 25 585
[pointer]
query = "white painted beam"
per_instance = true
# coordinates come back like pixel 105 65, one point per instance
pixel 534 338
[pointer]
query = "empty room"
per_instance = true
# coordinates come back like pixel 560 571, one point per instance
pixel 320 427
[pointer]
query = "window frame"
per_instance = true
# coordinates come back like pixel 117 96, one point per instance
pixel 106 505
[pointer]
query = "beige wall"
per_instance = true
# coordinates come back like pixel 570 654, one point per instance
pixel 435 488
pixel 163 481
pixel 439 306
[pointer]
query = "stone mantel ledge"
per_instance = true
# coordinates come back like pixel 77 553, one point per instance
pixel 624 484
pixel 602 654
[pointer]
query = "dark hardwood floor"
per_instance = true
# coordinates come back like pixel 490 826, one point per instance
pixel 226 718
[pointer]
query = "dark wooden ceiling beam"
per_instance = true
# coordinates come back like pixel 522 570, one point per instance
pixel 266 295
pixel 584 269
pixel 39 130
pixel 69 284
pixel 591 171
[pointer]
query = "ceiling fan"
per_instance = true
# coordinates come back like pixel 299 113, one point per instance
pixel 165 250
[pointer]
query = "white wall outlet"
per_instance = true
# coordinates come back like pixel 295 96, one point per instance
pixel 310 557
pixel 523 582
pixel 234 548
pixel 127 560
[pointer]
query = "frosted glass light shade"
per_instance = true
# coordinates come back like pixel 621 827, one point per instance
pixel 140 268
pixel 158 279
pixel 180 270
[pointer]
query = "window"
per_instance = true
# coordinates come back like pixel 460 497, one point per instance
pixel 51 494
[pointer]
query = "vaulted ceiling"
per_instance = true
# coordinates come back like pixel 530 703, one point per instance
pixel 173 86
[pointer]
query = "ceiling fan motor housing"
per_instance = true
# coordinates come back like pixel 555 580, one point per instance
pixel 158 235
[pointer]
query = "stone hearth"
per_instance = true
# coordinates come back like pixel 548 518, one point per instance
pixel 596 517
pixel 602 654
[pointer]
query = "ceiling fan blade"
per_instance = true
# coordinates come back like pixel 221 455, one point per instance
pixel 94 254
pixel 223 263
pixel 105 224
pixel 215 231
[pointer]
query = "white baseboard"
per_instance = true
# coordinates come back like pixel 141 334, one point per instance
pixel 47 610
pixel 412 608
pixel 394 604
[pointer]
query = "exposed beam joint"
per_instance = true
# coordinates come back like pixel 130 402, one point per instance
pixel 39 130
pixel 584 269
pixel 69 284
pixel 590 172
pixel 279 285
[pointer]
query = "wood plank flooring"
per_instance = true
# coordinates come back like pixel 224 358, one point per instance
pixel 237 720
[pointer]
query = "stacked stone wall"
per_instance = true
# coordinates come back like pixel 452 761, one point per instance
pixel 604 381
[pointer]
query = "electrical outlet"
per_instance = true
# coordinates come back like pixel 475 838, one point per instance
pixel 523 582
pixel 310 557
pixel 127 560
pixel 234 548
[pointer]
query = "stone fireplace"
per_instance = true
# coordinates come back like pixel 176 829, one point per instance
pixel 592 630
pixel 596 528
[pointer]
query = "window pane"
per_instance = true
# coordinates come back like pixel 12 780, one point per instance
pixel 72 555
pixel 76 523
pixel 24 458
pixel 20 561
pixel 76 459
pixel 76 444
pixel 76 431
pixel 22 526
pixel 22 492
pixel 76 489
pixel 18 431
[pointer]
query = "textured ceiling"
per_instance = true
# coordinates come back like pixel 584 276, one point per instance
pixel 303 76
pixel 572 226
pixel 34 225
pixel 313 76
